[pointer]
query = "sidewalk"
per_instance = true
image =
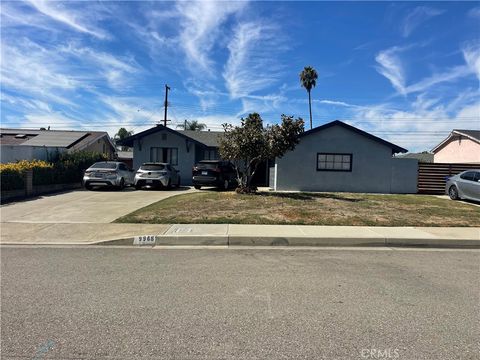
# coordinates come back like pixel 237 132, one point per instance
pixel 237 235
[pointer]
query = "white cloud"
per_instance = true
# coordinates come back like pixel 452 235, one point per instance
pixel 471 53
pixel 418 16
pixel 252 64
pixel 30 68
pixel 391 67
pixel 200 23
pixel 474 12
pixel 73 19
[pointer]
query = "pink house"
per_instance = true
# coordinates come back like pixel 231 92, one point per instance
pixel 461 146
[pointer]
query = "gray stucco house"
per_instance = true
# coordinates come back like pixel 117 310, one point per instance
pixel 331 157
pixel 181 148
pixel 339 157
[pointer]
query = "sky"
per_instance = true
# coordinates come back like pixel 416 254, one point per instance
pixel 407 72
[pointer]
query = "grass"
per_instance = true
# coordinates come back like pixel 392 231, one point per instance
pixel 215 207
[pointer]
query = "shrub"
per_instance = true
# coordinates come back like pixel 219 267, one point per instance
pixel 12 175
pixel 63 168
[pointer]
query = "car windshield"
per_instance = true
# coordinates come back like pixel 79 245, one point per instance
pixel 152 167
pixel 208 165
pixel 104 165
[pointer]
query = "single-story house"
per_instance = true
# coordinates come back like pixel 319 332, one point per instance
pixel 181 148
pixel 331 157
pixel 125 157
pixel 460 146
pixel 339 157
pixel 29 144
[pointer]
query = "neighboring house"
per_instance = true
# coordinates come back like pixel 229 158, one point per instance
pixel 125 157
pixel 28 144
pixel 423 157
pixel 461 146
pixel 181 148
pixel 340 157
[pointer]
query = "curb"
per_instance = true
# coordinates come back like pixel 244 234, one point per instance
pixel 249 241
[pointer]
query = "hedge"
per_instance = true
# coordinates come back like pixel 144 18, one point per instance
pixel 65 168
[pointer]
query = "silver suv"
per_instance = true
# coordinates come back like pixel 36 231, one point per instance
pixel 108 173
pixel 156 175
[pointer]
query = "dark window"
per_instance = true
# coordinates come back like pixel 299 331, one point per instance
pixel 104 165
pixel 334 162
pixel 469 175
pixel 210 154
pixel 152 167
pixel 477 176
pixel 165 155
pixel 122 167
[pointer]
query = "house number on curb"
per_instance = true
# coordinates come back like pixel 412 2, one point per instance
pixel 183 230
pixel 144 240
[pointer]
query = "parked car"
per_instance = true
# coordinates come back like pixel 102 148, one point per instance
pixel 465 185
pixel 108 173
pixel 157 175
pixel 215 173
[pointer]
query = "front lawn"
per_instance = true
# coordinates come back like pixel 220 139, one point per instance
pixel 210 207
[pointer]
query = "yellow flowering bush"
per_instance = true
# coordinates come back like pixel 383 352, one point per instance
pixel 64 168
pixel 12 174
pixel 24 165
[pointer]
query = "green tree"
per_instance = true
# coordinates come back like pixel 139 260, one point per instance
pixel 192 125
pixel 120 135
pixel 308 79
pixel 251 143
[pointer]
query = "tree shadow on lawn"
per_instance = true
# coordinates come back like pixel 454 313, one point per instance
pixel 310 196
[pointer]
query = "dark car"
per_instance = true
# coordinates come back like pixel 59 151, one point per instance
pixel 215 173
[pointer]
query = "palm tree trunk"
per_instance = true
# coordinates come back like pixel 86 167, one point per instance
pixel 310 107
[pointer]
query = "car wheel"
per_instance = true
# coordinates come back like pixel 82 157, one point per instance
pixel 122 184
pixel 138 187
pixel 88 187
pixel 453 192
pixel 198 187
pixel 226 183
pixel 169 185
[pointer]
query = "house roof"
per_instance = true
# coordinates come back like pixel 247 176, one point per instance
pixel 395 148
pixel 423 157
pixel 69 139
pixel 203 138
pixel 473 135
pixel 209 138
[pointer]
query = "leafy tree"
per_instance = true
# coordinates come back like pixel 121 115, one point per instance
pixel 251 143
pixel 192 125
pixel 120 135
pixel 308 79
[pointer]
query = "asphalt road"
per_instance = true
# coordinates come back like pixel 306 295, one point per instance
pixel 126 303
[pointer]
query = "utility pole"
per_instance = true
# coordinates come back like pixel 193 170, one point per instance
pixel 166 105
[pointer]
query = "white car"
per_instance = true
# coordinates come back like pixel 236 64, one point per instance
pixel 108 173
pixel 161 175
pixel 465 185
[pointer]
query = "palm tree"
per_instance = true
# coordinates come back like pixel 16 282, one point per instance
pixel 192 125
pixel 120 135
pixel 308 79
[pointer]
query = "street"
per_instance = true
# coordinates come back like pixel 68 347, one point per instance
pixel 144 303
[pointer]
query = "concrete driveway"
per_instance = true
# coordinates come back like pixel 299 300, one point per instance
pixel 81 206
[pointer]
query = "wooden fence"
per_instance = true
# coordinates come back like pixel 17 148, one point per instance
pixel 432 177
